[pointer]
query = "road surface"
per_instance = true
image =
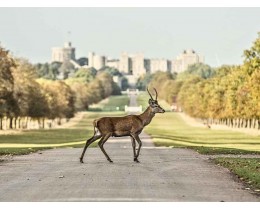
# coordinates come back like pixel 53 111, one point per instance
pixel 164 174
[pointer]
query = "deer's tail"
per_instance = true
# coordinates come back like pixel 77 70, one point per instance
pixel 95 124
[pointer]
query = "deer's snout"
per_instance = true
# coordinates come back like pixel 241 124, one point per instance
pixel 161 110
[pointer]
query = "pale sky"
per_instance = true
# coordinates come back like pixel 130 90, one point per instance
pixel 219 34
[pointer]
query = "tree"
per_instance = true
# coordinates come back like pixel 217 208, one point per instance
pixel 186 96
pixel 111 70
pixel 202 70
pixel 160 78
pixel 143 81
pixel 59 97
pixel 66 68
pixel 48 71
pixel 85 75
pixel 7 103
pixel 252 56
pixel 83 61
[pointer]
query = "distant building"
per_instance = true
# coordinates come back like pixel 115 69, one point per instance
pixel 188 57
pixel 159 65
pixel 131 65
pixel 96 61
pixel 138 65
pixel 125 63
pixel 63 54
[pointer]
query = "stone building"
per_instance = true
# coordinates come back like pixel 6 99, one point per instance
pixel 125 63
pixel 96 61
pixel 188 57
pixel 138 65
pixel 159 65
pixel 63 54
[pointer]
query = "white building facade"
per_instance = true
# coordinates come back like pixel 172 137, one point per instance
pixel 63 54
pixel 188 57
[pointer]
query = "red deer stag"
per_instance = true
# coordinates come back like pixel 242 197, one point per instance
pixel 131 125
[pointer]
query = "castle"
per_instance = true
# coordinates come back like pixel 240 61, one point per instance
pixel 131 65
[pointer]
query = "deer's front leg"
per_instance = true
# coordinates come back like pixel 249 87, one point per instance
pixel 133 145
pixel 136 137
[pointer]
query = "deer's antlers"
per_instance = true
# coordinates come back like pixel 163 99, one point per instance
pixel 155 93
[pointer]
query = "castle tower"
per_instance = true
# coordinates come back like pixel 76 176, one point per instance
pixel 63 54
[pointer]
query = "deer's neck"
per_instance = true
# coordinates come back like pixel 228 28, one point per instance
pixel 147 116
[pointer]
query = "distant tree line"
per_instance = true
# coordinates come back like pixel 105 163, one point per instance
pixel 226 95
pixel 31 92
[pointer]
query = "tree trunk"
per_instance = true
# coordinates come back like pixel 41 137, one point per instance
pixel 246 123
pixel 19 122
pixel 1 123
pixel 15 121
pixel 59 121
pixel 11 123
pixel 43 121
pixel 26 122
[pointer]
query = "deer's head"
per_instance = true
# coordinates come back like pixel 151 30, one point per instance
pixel 156 108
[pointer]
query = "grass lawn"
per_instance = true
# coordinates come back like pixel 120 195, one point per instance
pixel 113 103
pixel 169 129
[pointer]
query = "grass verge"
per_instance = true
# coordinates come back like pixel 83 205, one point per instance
pixel 20 151
pixel 246 169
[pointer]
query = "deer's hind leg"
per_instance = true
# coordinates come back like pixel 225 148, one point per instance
pixel 136 137
pixel 101 144
pixel 88 142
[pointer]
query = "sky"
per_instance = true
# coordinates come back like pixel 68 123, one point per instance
pixel 219 34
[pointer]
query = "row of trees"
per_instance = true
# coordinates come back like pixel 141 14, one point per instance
pixel 24 97
pixel 228 94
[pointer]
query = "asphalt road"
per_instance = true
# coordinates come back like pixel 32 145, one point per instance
pixel 164 174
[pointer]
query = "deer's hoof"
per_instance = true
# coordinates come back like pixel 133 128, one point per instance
pixel 110 161
pixel 136 160
pixel 81 160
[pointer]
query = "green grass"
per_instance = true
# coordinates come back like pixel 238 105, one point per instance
pixel 20 151
pixel 169 129
pixel 247 169
pixel 224 151
pixel 114 103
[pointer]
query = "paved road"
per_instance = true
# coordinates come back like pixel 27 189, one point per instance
pixel 164 174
